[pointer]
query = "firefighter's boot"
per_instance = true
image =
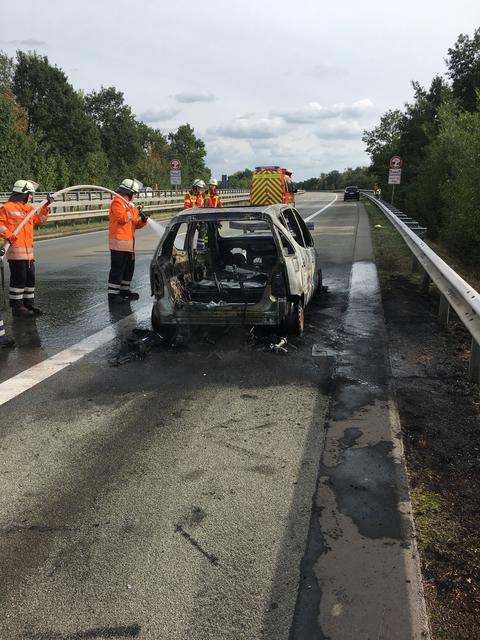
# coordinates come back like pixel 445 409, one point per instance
pixel 6 343
pixel 129 295
pixel 30 306
pixel 20 311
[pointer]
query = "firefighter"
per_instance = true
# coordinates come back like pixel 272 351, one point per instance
pixel 20 253
pixel 195 197
pixel 212 196
pixel 125 219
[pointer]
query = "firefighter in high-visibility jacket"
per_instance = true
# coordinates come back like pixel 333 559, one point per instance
pixel 125 219
pixel 212 196
pixel 195 197
pixel 20 252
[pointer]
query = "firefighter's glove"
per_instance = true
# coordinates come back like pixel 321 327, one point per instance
pixel 144 216
pixel 12 239
pixel 50 198
pixel 2 252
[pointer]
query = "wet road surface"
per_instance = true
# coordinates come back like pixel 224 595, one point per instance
pixel 172 497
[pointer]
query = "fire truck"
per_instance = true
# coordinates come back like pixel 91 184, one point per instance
pixel 271 185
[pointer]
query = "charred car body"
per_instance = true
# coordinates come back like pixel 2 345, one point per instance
pixel 235 266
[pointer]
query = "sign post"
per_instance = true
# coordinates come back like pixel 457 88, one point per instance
pixel 395 173
pixel 175 173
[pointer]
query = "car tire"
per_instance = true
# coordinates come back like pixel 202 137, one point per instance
pixel 167 331
pixel 294 321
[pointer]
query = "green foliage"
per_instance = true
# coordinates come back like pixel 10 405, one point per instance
pixel 240 179
pixel 118 130
pixel 438 137
pixel 58 136
pixel 361 177
pixel 15 146
pixel 56 112
pixel 382 142
pixel 190 150
pixel 463 65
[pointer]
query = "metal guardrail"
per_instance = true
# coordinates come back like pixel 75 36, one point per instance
pixel 455 292
pixel 91 208
pixel 93 196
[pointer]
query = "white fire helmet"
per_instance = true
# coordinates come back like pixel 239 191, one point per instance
pixel 25 186
pixel 213 182
pixel 133 186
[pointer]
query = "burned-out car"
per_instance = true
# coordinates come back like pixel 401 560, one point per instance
pixel 234 266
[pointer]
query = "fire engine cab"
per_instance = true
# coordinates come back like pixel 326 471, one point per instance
pixel 271 185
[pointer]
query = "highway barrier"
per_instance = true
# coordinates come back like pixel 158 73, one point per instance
pixel 454 291
pixel 85 205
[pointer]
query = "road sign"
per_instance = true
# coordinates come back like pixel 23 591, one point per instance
pixel 396 162
pixel 394 176
pixel 175 176
pixel 175 165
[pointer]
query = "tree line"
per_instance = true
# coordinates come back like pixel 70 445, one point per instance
pixel 360 177
pixel 59 136
pixel 437 135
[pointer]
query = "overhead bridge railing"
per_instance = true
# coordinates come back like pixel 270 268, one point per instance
pixel 455 293
pixel 86 205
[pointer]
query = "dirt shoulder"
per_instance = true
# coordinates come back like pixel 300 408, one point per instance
pixel 440 415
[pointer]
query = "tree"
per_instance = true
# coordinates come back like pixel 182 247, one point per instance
pixel 240 179
pixel 56 112
pixel 153 168
pixel 190 150
pixel 463 65
pixel 7 70
pixel 15 147
pixel 118 130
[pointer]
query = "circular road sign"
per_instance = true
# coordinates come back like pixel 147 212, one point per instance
pixel 175 164
pixel 396 162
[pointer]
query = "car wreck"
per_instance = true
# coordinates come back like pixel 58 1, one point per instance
pixel 254 266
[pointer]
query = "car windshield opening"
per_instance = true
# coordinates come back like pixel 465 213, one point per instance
pixel 219 261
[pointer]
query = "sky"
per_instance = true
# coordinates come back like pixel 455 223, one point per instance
pixel 261 81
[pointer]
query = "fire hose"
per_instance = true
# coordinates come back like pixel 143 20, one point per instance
pixel 84 187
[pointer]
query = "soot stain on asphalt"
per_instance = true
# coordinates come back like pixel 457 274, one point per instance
pixel 128 631
pixel 365 489
pixel 196 545
pixel 305 624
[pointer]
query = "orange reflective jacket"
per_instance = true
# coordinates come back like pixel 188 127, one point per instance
pixel 213 199
pixel 192 200
pixel 11 215
pixel 124 220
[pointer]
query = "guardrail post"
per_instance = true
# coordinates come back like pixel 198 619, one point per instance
pixel 424 287
pixel 474 366
pixel 444 310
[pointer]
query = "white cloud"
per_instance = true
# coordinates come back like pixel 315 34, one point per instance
pixel 251 127
pixel 158 114
pixel 194 96
pixel 340 130
pixel 315 111
pixel 31 42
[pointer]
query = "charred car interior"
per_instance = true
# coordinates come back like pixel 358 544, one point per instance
pixel 246 266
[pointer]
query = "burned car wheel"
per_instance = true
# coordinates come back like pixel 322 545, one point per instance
pixel 167 331
pixel 294 321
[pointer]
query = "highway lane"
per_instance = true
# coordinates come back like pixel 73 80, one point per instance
pixel 172 497
pixel 72 273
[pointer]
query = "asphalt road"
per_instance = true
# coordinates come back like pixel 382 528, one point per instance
pixel 213 490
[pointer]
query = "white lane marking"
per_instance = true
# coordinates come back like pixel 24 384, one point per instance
pixel 27 379
pixel 320 210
